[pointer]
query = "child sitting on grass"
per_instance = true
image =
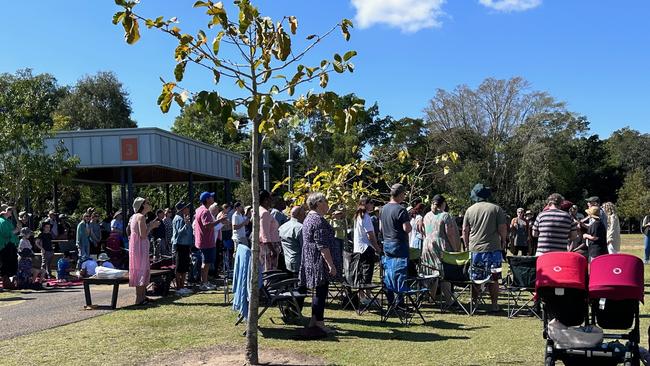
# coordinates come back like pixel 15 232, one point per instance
pixel 27 276
pixel 64 266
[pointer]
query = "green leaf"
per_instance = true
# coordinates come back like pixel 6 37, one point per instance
pixel 200 3
pixel 350 67
pixel 324 79
pixel 217 76
pixel 348 55
pixel 179 70
pixel 337 57
pixel 274 89
pixel 252 108
pixel 311 36
pixel 120 2
pixel 217 42
pixel 338 67
pixel 131 28
pixel 240 83
pixel 118 17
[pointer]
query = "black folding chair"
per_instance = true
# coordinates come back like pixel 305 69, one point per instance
pixel 284 294
pixel 520 285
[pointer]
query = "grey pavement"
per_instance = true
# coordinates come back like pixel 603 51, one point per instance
pixel 24 312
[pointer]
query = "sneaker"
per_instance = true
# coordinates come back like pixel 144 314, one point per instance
pixel 184 291
pixel 646 262
pixel 207 287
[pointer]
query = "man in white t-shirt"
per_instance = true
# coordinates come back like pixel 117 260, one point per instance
pixel 365 245
pixel 239 222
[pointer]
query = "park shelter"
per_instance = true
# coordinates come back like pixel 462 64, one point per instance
pixel 144 156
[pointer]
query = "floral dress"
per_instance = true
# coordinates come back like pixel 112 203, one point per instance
pixel 318 234
pixel 438 227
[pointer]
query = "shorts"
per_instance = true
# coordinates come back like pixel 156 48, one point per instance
pixel 183 260
pixel 8 260
pixel 485 265
pixel 209 255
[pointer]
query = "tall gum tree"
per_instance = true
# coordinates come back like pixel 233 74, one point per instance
pixel 263 49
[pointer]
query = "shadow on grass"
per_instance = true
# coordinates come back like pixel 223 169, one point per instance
pixel 292 333
pixel 16 298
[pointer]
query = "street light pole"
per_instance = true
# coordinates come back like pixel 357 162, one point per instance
pixel 290 163
pixel 266 167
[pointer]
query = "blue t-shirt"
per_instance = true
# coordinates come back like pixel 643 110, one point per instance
pixel 62 267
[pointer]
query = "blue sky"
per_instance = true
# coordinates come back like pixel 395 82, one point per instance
pixel 593 55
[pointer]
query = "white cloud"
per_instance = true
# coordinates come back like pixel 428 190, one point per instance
pixel 510 5
pixel 408 15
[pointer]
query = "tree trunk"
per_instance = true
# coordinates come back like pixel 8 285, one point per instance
pixel 253 286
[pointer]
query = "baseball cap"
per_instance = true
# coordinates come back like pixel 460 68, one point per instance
pixel 205 195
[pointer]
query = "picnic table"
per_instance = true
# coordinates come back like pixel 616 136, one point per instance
pixel 166 273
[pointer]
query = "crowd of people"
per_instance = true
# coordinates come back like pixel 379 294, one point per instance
pixel 316 243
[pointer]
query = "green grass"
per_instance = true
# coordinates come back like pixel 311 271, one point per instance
pixel 133 336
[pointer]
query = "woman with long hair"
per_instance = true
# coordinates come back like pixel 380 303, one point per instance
pixel 139 265
pixel 613 229
pixel 365 245
pixel 440 234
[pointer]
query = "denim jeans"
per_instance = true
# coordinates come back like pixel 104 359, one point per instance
pixel 647 247
pixel 84 253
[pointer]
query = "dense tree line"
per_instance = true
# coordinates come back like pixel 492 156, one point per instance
pixel 521 142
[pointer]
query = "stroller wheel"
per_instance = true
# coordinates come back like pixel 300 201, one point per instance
pixel 549 361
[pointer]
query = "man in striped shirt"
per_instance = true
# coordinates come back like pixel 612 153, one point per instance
pixel 554 228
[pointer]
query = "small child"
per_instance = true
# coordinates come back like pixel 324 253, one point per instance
pixel 25 234
pixel 26 278
pixel 64 267
pixel 88 267
pixel 104 261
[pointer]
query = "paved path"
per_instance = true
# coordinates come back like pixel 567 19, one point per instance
pixel 24 312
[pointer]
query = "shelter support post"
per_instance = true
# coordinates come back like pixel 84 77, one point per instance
pixel 109 199
pixel 125 211
pixel 190 192
pixel 227 190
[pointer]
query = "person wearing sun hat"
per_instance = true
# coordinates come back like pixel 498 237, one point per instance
pixel 139 264
pixel 485 231
pixel 596 235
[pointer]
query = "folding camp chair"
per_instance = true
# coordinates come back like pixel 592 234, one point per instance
pixel 456 272
pixel 520 285
pixel 406 300
pixel 284 294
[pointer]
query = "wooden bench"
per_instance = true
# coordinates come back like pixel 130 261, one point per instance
pixel 168 274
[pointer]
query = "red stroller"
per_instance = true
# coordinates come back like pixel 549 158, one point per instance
pixel 561 287
pixel 615 290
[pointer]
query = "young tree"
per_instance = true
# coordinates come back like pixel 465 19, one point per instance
pixel 634 196
pixel 261 50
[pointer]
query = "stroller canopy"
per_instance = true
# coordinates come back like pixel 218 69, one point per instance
pixel 616 277
pixel 561 270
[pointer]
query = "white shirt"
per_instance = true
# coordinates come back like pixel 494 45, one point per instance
pixel 24 243
pixel 362 226
pixel 238 219
pixel 415 234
